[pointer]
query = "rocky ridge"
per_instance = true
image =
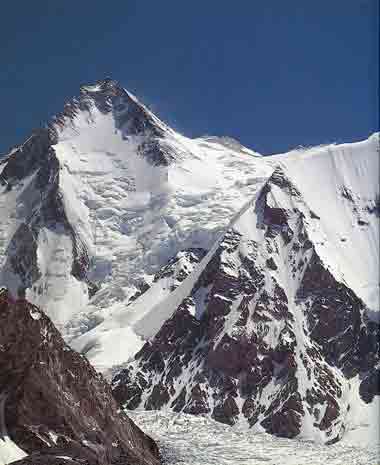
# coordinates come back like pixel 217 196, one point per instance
pixel 57 409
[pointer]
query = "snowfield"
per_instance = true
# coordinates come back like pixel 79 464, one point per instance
pixel 133 217
pixel 189 440
pixel 340 184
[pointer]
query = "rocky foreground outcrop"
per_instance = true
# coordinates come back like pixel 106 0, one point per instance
pixel 58 409
pixel 267 333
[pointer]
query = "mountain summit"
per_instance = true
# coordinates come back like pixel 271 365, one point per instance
pixel 204 277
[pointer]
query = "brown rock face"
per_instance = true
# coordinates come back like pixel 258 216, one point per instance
pixel 226 412
pixel 286 421
pixel 337 321
pixel 55 402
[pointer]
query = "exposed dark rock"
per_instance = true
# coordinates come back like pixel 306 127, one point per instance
pixel 157 152
pixel 131 118
pixel 107 96
pixel 286 422
pixel 93 288
pixel 179 266
pixel 46 210
pixel 331 414
pixel 370 386
pixel 275 216
pixel 271 264
pixel 226 412
pixel 362 222
pixel 22 257
pixel 347 193
pixel 159 397
pixel 127 391
pixel 335 320
pixel 251 411
pixel 314 215
pixel 197 402
pixel 28 157
pixel 232 355
pixel 44 207
pixel 142 288
pixel 49 388
pixel 374 207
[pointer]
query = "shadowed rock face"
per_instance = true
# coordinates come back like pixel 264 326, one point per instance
pixel 37 160
pixel 47 459
pixel 55 402
pixel 29 156
pixel 258 351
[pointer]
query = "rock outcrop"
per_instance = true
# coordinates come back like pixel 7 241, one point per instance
pixel 57 408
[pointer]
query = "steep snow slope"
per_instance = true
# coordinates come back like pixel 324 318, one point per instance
pixel 341 184
pixel 140 216
pixel 189 440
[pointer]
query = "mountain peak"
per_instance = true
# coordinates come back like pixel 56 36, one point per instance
pixel 107 97
pixel 103 85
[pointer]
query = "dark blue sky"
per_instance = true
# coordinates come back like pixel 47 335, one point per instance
pixel 274 74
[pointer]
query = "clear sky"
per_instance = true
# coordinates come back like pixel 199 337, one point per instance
pixel 274 74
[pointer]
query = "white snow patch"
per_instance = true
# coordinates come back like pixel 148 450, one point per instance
pixel 196 440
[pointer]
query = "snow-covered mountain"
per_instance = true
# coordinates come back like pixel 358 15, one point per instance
pixel 96 204
pixel 206 278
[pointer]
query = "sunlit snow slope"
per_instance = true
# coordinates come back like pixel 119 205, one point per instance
pixel 188 440
pixel 341 184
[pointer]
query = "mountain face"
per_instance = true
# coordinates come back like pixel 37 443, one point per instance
pixel 96 204
pixel 203 277
pixel 53 403
pixel 266 333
